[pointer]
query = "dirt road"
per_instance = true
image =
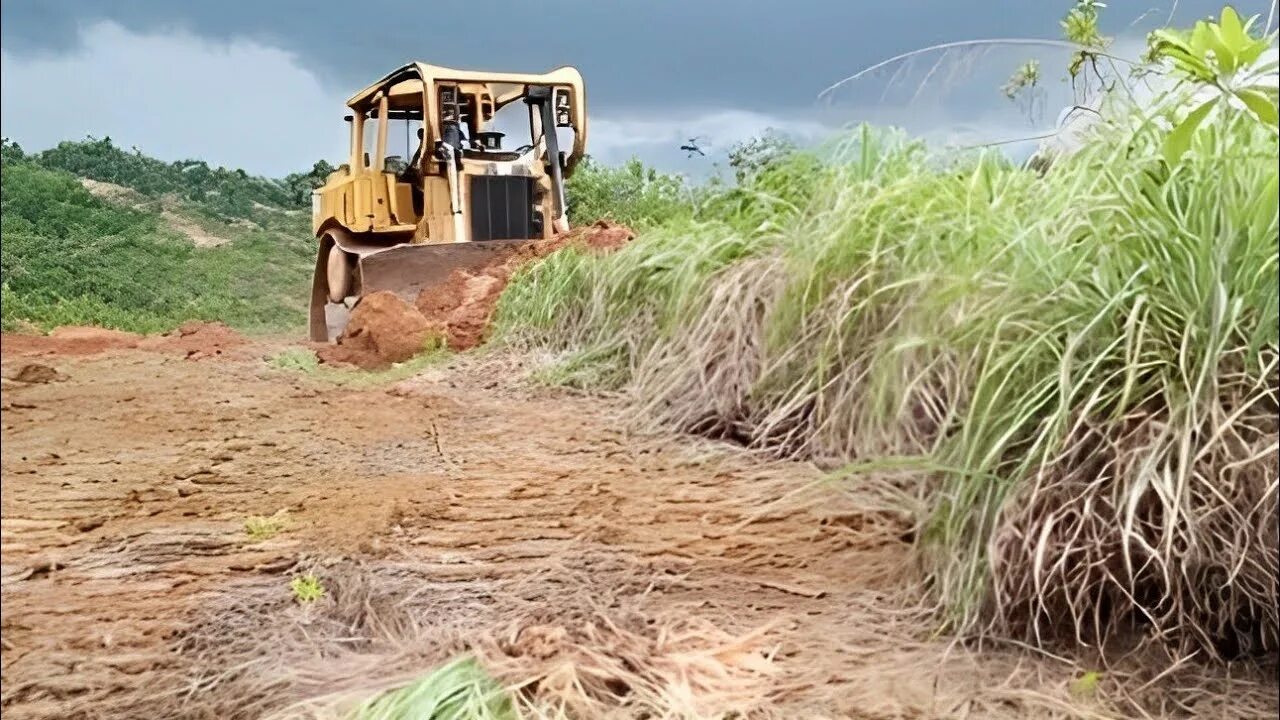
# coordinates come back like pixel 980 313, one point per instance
pixel 457 510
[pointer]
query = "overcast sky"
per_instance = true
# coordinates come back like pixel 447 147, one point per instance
pixel 260 85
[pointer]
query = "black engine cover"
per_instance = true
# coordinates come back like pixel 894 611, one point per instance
pixel 501 207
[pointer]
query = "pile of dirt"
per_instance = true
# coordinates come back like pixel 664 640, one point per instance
pixel 196 340
pixel 384 329
pixel 464 305
pixel 71 340
pixel 601 235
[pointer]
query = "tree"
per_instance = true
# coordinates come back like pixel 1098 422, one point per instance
pixel 300 185
pixel 751 157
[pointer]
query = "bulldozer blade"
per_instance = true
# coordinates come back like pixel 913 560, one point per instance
pixel 407 270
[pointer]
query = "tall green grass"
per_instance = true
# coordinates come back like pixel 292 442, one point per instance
pixel 1082 365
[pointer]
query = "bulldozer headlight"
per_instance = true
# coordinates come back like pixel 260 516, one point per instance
pixel 562 109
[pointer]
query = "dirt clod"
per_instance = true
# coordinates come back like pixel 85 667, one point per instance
pixel 197 340
pixel 35 373
pixel 537 641
pixel 90 523
pixel 383 330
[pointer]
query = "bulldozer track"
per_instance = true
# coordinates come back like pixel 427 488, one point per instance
pixel 128 480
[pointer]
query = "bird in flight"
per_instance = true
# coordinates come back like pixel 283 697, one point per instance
pixel 692 148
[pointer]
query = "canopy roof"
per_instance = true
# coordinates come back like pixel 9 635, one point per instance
pixel 410 80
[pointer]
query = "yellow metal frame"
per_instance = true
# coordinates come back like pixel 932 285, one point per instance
pixel 373 204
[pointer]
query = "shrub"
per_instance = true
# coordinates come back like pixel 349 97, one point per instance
pixel 72 258
pixel 632 194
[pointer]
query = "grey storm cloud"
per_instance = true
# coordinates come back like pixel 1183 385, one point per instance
pixel 657 71
pixel 747 54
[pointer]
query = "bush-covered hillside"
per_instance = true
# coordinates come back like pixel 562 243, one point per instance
pixel 123 255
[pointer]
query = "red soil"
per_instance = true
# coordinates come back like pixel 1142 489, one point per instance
pixel 194 340
pixel 384 329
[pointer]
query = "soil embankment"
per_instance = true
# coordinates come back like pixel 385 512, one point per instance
pixel 385 329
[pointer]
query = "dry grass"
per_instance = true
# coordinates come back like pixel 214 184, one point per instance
pixel 595 634
pixel 681 667
pixel 260 656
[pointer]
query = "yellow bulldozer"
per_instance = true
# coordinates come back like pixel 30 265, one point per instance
pixel 433 183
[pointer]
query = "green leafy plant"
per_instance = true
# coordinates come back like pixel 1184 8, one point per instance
pixel 74 258
pixel 632 194
pixel 1086 685
pixel 226 192
pixel 1023 88
pixel 1080 26
pixel 751 157
pixel 300 185
pixel 306 588
pixel 1026 76
pixel 1228 69
pixel 11 152
pixel 459 690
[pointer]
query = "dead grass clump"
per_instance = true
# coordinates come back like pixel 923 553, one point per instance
pixel 1115 536
pixel 254 652
pixel 634 666
pixel 701 380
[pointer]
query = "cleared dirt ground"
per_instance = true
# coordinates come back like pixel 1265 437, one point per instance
pixel 458 510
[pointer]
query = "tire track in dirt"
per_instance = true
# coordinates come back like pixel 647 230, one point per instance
pixel 474 510
pixel 128 483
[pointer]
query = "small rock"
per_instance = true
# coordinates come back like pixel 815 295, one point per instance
pixel 193 471
pixel 90 523
pixel 42 566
